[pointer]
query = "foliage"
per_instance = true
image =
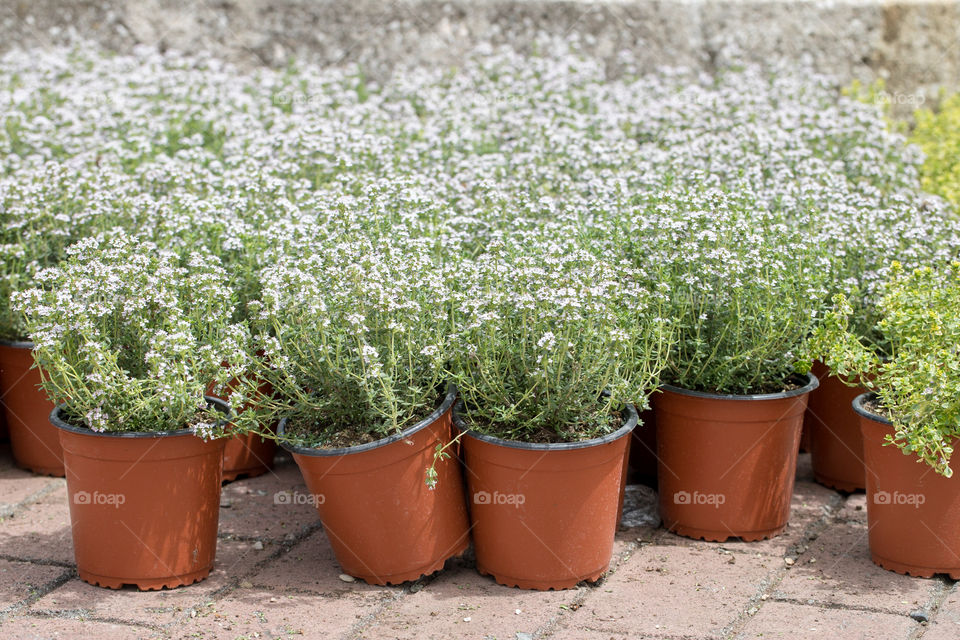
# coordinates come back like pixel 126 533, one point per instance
pixel 550 340
pixel 918 383
pixel 938 134
pixel 356 334
pixel 128 339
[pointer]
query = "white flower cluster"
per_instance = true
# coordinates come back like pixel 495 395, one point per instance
pixel 550 339
pixel 744 285
pixel 356 332
pixel 370 236
pixel 127 338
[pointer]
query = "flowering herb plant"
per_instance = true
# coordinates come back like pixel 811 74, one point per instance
pixel 262 169
pixel 128 338
pixel 743 286
pixel 551 341
pixel 43 210
pixel 918 381
pixel 355 336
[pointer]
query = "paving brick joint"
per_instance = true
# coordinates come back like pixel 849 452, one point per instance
pixel 276 577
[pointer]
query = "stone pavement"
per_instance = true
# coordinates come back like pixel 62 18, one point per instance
pixel 276 577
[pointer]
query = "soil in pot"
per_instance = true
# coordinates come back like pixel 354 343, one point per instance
pixel 545 515
pixel 35 443
pixel 913 513
pixel 386 526
pixel 144 507
pixel 726 462
pixel 836 443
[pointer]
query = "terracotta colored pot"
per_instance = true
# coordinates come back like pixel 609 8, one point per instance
pixel 144 507
pixel 836 445
pixel 545 515
pixel 34 442
pixel 384 524
pixel 727 462
pixel 246 454
pixel 913 513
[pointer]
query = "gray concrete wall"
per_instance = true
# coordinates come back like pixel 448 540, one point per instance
pixel 914 45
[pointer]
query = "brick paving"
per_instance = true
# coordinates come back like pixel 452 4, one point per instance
pixel 276 577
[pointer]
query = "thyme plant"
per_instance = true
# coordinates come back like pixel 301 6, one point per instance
pixel 128 338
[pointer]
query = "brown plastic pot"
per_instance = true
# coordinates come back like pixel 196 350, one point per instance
pixel 545 515
pixel 727 462
pixel 246 454
pixel 913 513
pixel 144 507
pixel 34 442
pixel 384 524
pixel 836 444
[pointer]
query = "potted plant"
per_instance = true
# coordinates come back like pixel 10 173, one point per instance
pixel 916 229
pixel 910 419
pixel 862 239
pixel 552 345
pixel 880 214
pixel 744 286
pixel 355 337
pixel 43 209
pixel 126 339
pixel 237 226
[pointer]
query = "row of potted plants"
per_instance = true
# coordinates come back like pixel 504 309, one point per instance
pixel 328 266
pixel 131 364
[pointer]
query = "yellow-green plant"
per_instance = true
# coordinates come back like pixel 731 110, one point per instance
pixel 938 134
pixel 918 385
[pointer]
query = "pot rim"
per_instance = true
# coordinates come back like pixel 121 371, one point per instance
pixel 448 400
pixel 629 425
pixel 812 383
pixel 862 411
pixel 17 344
pixel 59 423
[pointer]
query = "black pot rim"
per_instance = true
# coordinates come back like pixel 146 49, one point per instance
pixel 812 383
pixel 59 423
pixel 448 401
pixel 862 411
pixel 17 344
pixel 629 425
